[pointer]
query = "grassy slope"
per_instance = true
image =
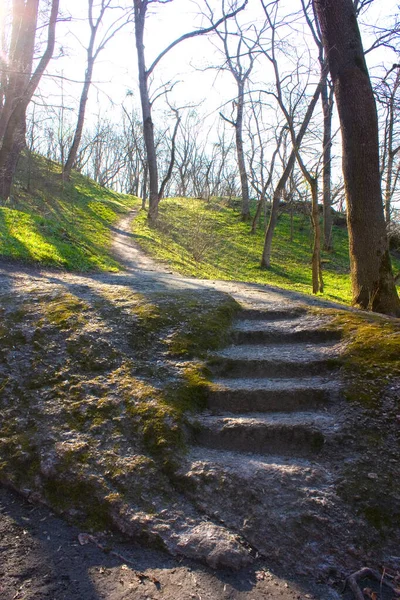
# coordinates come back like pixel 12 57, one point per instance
pixel 60 224
pixel 209 241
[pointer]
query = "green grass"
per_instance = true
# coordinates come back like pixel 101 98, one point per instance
pixel 59 224
pixel 208 240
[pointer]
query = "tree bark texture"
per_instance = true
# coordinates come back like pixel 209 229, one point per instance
pixel 327 108
pixel 373 284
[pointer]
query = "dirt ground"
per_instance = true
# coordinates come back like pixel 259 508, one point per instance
pixel 41 557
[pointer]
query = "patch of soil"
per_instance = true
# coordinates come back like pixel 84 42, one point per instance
pixel 42 558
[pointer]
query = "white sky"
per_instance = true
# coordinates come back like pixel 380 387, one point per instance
pixel 116 73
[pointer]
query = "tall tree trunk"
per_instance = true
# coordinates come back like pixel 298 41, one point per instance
pixel 245 212
pixel 327 107
pixel 73 152
pixel 16 78
pixel 13 137
pixel 371 272
pixel 317 280
pixel 148 128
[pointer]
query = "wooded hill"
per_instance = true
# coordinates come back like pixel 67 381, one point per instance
pixel 68 225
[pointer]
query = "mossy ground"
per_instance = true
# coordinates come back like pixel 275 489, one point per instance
pixel 59 224
pixel 371 369
pixel 95 385
pixel 208 240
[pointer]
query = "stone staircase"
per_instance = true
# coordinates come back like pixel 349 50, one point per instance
pixel 272 386
pixel 257 462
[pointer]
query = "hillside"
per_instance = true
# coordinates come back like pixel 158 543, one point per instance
pixel 59 224
pixel 208 240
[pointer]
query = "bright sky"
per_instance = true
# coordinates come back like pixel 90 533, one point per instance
pixel 116 73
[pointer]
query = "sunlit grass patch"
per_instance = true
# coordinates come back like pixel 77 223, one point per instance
pixel 60 224
pixel 208 240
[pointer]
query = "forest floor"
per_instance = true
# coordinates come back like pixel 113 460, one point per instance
pixel 44 557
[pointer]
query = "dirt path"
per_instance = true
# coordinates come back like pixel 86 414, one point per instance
pixel 41 556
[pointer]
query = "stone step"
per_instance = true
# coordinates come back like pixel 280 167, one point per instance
pixel 284 507
pixel 257 468
pixel 270 360
pixel 273 314
pixel 267 395
pixel 299 434
pixel 301 329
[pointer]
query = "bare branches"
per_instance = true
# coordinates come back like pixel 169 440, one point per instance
pixel 193 34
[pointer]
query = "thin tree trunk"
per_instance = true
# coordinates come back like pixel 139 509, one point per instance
pixel 371 273
pixel 257 215
pixel 388 187
pixel 81 117
pixel 327 107
pixel 261 202
pixel 245 212
pixel 317 280
pixel 266 255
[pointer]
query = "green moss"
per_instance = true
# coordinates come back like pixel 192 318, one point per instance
pixel 82 495
pixel 206 328
pixel 101 375
pixel 377 516
pixel 65 311
pixel 90 354
pixel 371 357
pixel 190 392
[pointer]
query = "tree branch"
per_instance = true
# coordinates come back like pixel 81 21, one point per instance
pixel 193 34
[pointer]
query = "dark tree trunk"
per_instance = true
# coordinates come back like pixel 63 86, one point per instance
pixel 371 273
pixel 148 128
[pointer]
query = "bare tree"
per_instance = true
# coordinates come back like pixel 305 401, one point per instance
pixel 289 113
pixel 387 93
pixel 140 10
pixel 327 108
pixel 371 272
pixel 20 83
pixel 92 53
pixel 239 61
pixel 261 173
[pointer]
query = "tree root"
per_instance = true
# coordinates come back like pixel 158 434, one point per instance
pixel 352 582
